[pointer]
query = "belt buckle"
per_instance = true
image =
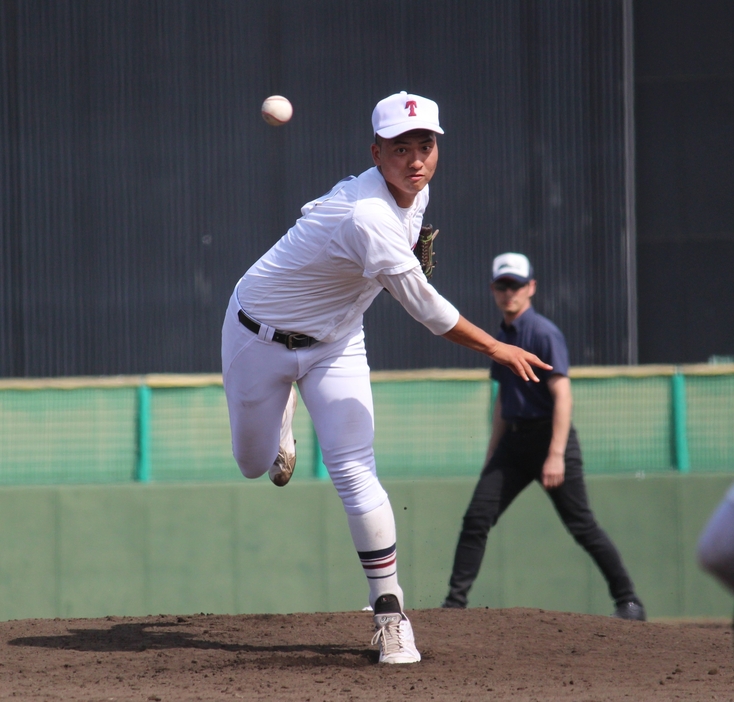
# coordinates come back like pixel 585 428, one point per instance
pixel 292 338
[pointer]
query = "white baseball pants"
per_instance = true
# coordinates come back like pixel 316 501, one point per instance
pixel 334 382
pixel 715 549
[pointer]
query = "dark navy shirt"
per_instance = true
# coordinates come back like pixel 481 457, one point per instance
pixel 527 399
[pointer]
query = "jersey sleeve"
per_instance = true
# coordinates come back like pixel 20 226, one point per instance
pixel 421 300
pixel 383 240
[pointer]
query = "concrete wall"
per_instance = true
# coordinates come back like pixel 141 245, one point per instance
pixel 248 547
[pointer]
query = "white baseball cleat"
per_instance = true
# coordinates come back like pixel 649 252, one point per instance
pixel 395 636
pixel 282 470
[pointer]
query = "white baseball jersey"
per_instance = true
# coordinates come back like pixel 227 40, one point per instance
pixel 346 247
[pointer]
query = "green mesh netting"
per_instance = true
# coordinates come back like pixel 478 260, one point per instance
pixel 423 427
pixel 624 424
pixel 436 428
pixel 710 401
pixel 84 435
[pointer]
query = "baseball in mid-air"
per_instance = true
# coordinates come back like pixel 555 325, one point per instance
pixel 277 110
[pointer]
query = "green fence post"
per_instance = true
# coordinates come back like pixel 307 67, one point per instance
pixel 680 431
pixel 319 469
pixel 142 470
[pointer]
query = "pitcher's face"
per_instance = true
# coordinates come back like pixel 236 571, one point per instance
pixel 407 163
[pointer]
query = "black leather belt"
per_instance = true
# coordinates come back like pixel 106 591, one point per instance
pixel 292 341
pixel 529 424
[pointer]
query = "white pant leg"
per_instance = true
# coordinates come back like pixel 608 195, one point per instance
pixel 258 377
pixel 716 543
pixel 334 380
pixel 337 393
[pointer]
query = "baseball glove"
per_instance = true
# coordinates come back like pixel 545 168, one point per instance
pixel 424 249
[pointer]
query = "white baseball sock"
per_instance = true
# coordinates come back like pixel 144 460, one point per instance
pixel 374 538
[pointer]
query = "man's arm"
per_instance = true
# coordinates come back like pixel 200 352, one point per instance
pixel 425 304
pixel 516 359
pixel 554 467
pixel 499 426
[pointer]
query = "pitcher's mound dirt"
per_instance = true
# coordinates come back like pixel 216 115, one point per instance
pixel 470 655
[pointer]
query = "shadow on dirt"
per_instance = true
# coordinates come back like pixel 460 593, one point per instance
pixel 159 636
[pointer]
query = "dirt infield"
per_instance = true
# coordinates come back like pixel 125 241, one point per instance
pixel 476 654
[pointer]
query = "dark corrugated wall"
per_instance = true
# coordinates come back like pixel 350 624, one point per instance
pixel 139 181
pixel 684 96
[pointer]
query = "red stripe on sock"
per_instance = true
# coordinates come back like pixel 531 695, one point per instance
pixel 381 565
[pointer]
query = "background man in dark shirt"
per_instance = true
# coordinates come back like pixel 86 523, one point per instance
pixel 533 439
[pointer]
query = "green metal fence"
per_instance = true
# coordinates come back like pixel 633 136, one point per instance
pixel 163 428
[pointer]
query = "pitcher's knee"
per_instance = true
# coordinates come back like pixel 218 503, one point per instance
pixel 249 468
pixel 360 492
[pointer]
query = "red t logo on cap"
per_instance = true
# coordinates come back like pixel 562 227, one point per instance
pixel 411 105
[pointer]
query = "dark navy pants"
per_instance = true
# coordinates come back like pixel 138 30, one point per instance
pixel 518 461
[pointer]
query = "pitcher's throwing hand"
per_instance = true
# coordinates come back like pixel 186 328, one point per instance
pixel 519 361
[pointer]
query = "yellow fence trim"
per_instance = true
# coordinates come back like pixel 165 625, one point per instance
pixel 191 380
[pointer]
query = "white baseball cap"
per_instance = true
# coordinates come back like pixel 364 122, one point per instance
pixel 512 265
pixel 402 113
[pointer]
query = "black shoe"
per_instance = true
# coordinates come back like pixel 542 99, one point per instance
pixel 450 604
pixel 630 610
pixel 387 604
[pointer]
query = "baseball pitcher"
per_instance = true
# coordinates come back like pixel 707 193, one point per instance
pixel 296 317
